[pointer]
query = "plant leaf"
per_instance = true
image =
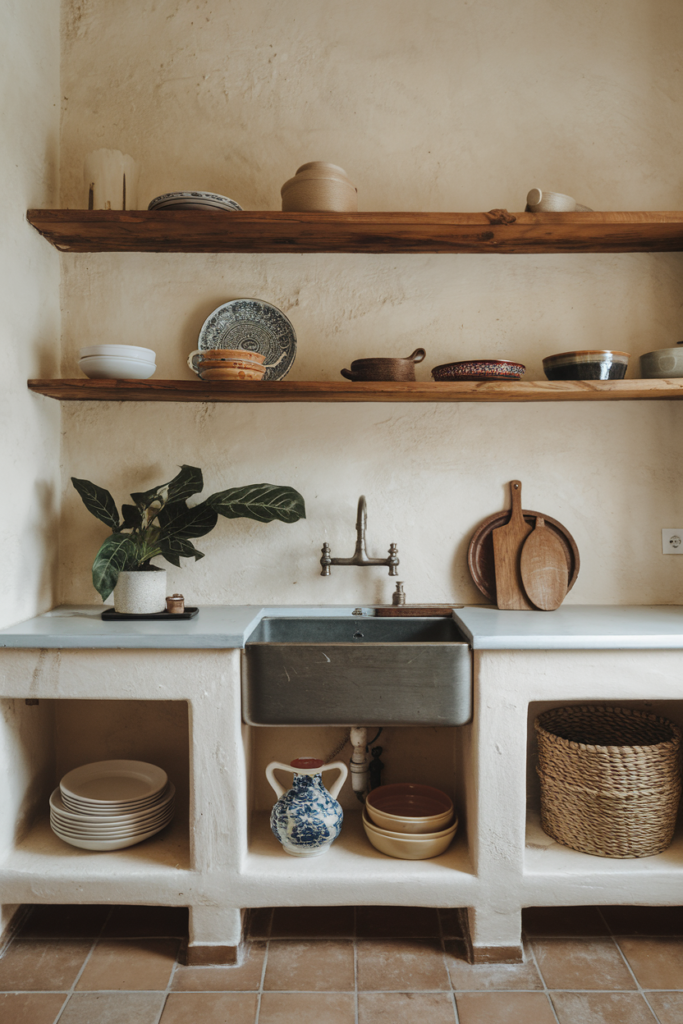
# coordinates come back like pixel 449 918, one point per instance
pixel 263 502
pixel 98 501
pixel 147 544
pixel 188 481
pixel 116 554
pixel 177 520
pixel 131 517
pixel 175 548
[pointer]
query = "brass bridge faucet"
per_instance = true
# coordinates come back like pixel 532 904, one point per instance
pixel 360 555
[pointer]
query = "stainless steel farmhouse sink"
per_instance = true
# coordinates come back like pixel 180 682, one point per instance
pixel 356 671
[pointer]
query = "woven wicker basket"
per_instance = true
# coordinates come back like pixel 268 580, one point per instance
pixel 610 779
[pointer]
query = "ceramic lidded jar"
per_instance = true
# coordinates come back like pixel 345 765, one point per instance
pixel 319 186
pixel 307 818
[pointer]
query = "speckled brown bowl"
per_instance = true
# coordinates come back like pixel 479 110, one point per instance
pixel 479 369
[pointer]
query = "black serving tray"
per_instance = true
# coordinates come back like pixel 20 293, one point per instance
pixel 109 615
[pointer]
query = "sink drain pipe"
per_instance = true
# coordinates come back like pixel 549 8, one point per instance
pixel 359 762
pixel 360 765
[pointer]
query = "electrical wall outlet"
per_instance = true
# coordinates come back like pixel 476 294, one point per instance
pixel 672 541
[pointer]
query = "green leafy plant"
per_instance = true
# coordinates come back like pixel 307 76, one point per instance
pixel 161 523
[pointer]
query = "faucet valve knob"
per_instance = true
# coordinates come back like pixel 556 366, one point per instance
pixel 392 560
pixel 326 560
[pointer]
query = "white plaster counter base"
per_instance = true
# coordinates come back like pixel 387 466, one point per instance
pixel 219 857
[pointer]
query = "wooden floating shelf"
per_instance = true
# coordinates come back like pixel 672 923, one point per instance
pixel 84 390
pixel 272 231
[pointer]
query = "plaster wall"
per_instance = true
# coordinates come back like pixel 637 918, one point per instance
pixel 446 105
pixel 29 306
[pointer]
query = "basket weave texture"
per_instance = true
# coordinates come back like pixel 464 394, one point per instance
pixel 610 779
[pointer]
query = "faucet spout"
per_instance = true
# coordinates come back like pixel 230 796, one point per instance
pixel 360 555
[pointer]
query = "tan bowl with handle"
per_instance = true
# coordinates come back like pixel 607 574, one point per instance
pixel 230 373
pixel 405 847
pixel 409 808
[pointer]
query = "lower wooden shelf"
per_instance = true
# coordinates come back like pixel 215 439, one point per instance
pixel 85 390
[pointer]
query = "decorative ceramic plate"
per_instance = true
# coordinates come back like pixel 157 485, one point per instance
pixel 478 376
pixel 254 326
pixel 479 369
pixel 192 201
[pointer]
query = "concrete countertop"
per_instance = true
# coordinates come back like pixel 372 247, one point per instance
pixel 216 626
pixel 573 627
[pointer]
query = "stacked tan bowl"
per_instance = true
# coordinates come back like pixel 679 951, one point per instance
pixel 409 821
pixel 231 364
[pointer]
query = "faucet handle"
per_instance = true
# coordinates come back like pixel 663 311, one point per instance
pixel 326 560
pixel 392 560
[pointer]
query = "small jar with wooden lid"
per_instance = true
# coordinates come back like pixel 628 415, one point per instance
pixel 319 186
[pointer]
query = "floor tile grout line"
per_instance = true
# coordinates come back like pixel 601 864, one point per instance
pixel 355 963
pixel 168 989
pixel 628 966
pixel 540 974
pixel 456 1015
pixel 85 963
pixel 341 991
pixel 263 969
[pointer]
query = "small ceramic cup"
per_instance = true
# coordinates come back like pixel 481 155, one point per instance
pixel 553 202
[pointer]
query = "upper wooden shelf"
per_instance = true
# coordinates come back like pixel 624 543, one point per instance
pixel 84 390
pixel 272 231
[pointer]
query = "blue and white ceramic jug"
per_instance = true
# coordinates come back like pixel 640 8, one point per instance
pixel 306 819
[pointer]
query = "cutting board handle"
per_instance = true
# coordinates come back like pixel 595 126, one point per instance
pixel 516 497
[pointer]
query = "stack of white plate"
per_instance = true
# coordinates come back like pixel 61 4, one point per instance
pixel 108 805
pixel 194 201
pixel 117 362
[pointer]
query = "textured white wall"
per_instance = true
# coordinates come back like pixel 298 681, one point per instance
pixel 439 106
pixel 29 306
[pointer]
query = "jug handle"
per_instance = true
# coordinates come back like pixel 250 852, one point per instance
pixel 270 775
pixel 190 358
pixel 417 356
pixel 343 772
pixel 279 790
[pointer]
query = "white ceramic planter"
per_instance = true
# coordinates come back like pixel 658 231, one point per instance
pixel 140 592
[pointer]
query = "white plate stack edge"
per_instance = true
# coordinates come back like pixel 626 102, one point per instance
pixel 109 805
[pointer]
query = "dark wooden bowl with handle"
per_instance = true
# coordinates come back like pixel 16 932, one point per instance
pixel 385 369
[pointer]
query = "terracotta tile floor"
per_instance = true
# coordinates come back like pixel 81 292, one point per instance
pixel 344 965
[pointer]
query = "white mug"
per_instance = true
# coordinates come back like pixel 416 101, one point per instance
pixel 553 202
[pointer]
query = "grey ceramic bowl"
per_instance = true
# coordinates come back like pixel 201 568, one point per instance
pixel 663 362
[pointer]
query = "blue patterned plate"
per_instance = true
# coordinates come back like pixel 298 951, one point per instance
pixel 255 326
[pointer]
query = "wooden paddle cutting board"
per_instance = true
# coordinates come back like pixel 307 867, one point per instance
pixel 543 566
pixel 508 541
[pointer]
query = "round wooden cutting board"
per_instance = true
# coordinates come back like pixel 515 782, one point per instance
pixel 480 550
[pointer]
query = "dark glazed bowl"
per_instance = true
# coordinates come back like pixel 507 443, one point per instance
pixel 588 364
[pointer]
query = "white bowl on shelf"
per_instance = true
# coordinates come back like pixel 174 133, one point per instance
pixel 116 368
pixel 148 355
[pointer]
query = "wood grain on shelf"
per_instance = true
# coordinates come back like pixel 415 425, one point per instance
pixel 273 231
pixel 85 390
